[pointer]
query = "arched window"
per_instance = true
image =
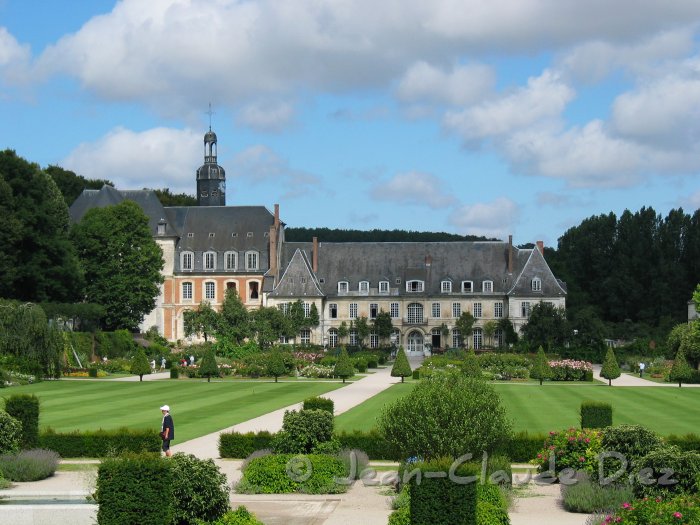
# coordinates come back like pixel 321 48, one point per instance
pixel 342 287
pixel 415 313
pixel 487 286
pixel 415 286
pixel 446 286
pixel 415 341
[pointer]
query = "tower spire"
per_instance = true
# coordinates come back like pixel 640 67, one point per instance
pixel 210 113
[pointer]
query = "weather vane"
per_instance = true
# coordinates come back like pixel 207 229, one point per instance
pixel 210 113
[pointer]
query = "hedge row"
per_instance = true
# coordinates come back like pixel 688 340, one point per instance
pixel 596 414
pixel 522 448
pixel 100 443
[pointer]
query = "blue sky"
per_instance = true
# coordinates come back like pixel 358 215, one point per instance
pixel 490 118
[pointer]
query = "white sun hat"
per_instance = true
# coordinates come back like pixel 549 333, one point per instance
pixel 166 408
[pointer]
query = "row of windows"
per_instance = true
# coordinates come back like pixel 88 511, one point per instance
pixel 286 306
pixel 419 286
pixel 209 260
pixel 436 310
pixel 210 290
pixel 477 337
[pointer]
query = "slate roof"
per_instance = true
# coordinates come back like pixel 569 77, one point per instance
pixel 398 262
pixel 108 196
pixel 298 279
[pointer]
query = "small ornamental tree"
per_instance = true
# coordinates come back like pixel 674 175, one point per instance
pixel 343 366
pixel 343 331
pixel 680 371
pixel 471 367
pixel 540 368
pixel 140 365
pixel 402 367
pixel 208 367
pixel 610 370
pixel 275 364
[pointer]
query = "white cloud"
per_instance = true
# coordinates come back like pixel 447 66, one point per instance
pixel 267 116
pixel 230 52
pixel 11 51
pixel 261 165
pixel 413 188
pixel 156 158
pixel 464 84
pixel 493 219
pixel 542 100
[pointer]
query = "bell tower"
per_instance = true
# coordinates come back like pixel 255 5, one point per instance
pixel 211 178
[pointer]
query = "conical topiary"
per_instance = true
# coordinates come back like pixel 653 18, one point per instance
pixel 610 370
pixel 139 364
pixel 208 367
pixel 275 365
pixel 343 367
pixel 540 368
pixel 680 371
pixel 402 367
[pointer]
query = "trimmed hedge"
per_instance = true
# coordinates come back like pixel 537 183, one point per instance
pixel 290 473
pixel 596 414
pixel 100 443
pixel 440 500
pixel 522 446
pixel 236 445
pixel 319 403
pixel 687 443
pixel 25 409
pixel 135 489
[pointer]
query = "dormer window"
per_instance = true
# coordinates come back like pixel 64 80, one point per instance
pixel 231 260
pixel 187 261
pixel 467 286
pixel 249 234
pixel 487 286
pixel 343 287
pixel 251 261
pixel 364 287
pixel 414 286
pixel 536 284
pixel 161 227
pixel 190 235
pixel 446 286
pixel 383 286
pixel 211 235
pixel 210 260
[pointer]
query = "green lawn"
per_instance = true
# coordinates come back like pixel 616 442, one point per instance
pixel 556 406
pixel 198 408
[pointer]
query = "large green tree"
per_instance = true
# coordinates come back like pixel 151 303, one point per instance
pixel 269 324
pixel 37 260
pixel 690 343
pixel 203 321
pixel 122 262
pixel 235 322
pixel 383 326
pixel 547 327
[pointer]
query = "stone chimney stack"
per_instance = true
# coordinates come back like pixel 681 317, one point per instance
pixel 428 261
pixel 314 256
pixel 277 216
pixel 510 254
pixel 540 247
pixel 273 250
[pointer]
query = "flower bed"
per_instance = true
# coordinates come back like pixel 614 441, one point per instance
pixel 316 371
pixel 682 510
pixel 573 448
pixel 571 370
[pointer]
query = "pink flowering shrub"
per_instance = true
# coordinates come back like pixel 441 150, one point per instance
pixel 570 370
pixel 681 510
pixel 573 448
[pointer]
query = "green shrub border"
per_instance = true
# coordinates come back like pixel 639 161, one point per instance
pixel 100 443
pixel 25 409
pixel 596 414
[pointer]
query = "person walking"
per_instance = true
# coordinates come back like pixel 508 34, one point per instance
pixel 162 364
pixel 167 433
pixel 153 366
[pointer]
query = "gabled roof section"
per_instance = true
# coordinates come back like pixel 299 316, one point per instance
pixel 536 266
pixel 298 279
pixel 109 196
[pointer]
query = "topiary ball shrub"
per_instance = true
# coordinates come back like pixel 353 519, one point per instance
pixel 10 433
pixel 25 409
pixel 29 465
pixel 289 473
pixel 174 372
pixel 199 489
pixel 632 441
pixel 303 431
pixel 446 414
pixel 666 472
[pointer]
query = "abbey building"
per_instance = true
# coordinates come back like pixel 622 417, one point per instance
pixel 424 286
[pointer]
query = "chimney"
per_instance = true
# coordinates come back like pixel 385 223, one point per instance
pixel 273 250
pixel 428 261
pixel 314 256
pixel 510 254
pixel 540 247
pixel 277 216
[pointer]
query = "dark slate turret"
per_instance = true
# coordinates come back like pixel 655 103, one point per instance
pixel 211 178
